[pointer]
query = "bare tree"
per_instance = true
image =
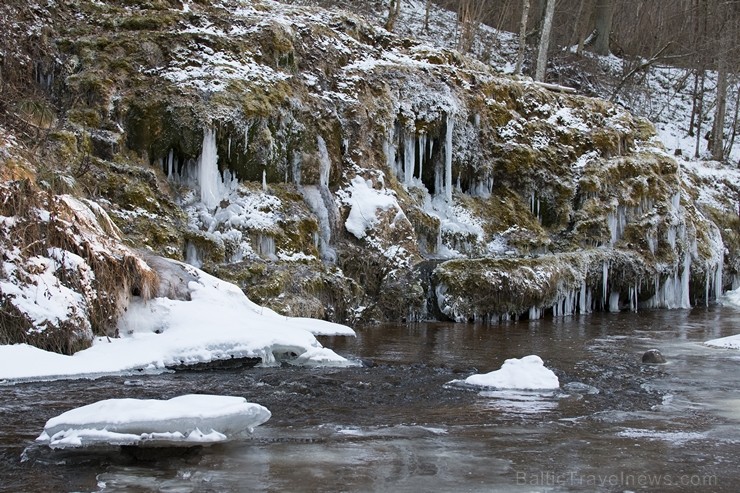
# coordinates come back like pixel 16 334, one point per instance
pixel 522 37
pixel 544 41
pixel 603 16
pixel 469 16
pixel 394 10
pixel 426 15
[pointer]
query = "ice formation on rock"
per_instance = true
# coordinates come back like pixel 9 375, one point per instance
pixel 527 373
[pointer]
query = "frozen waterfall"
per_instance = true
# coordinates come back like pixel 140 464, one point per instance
pixel 213 186
pixel 448 159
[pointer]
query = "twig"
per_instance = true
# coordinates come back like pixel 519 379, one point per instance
pixel 636 69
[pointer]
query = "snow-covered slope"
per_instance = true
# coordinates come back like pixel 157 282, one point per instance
pixel 321 164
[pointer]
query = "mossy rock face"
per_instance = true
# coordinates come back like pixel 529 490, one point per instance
pixel 491 289
pixel 288 88
pixel 157 128
pixel 297 289
pixel 138 200
pixel 402 298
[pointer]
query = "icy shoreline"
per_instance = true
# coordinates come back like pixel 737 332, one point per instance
pixel 219 322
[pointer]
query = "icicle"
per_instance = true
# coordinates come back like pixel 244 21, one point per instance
pixel 296 168
pixel 193 256
pixel 266 246
pixel 409 157
pixel 319 200
pixel 633 292
pixel 209 177
pixel 616 222
pixel 324 162
pixel 614 302
pixel 228 153
pixel 605 282
pixel 582 297
pixel 534 205
pixel 676 201
pixel 171 164
pixel 448 159
pixel 438 178
pixel 422 153
pixel 685 278
pixel 534 313
pixel 672 237
pixel 264 180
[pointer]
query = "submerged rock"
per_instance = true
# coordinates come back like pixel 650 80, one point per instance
pixel 653 357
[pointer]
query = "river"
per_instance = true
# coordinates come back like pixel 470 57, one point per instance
pixel 395 425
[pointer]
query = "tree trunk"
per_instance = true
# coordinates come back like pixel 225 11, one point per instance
pixel 699 115
pixel 544 41
pixel 723 53
pixel 577 24
pixel 694 104
pixel 468 25
pixel 733 134
pixel 394 10
pixel 603 15
pixel 426 15
pixel 522 37
pixel 718 150
pixel 537 12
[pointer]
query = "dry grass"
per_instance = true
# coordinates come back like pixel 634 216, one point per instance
pixel 43 221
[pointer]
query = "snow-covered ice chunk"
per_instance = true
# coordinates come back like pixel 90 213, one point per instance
pixel 192 419
pixel 527 373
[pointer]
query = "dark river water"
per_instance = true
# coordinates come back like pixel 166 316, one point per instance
pixel 615 425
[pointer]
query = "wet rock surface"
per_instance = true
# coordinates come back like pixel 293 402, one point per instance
pixel 653 357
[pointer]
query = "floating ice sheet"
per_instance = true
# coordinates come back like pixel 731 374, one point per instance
pixel 186 420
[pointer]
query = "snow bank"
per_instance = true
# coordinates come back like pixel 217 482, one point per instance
pixel 527 373
pixel 219 322
pixel 184 420
pixel 732 298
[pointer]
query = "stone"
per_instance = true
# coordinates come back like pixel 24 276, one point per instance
pixel 653 357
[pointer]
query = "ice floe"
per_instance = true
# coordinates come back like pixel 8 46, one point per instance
pixel 181 421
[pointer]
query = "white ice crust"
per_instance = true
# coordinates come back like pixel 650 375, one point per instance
pixel 181 421
pixel 527 373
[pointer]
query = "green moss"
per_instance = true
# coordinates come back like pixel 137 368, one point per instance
pixel 148 22
pixel 88 118
pixel 155 127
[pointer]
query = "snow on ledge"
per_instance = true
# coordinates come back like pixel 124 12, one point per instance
pixel 219 322
pixel 181 421
pixel 527 373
